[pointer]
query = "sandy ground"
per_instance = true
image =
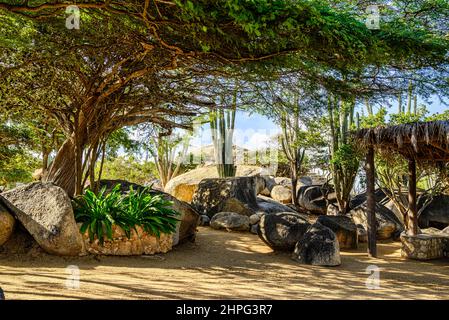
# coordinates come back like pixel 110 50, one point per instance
pixel 222 265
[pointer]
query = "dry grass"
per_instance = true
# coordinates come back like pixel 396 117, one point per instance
pixel 224 265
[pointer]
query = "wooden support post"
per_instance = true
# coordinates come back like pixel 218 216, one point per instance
pixel 412 206
pixel 371 203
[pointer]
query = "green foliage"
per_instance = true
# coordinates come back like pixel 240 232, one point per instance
pixel 439 116
pixel 374 120
pixel 408 117
pixel 346 157
pixel 152 212
pixel 129 169
pixel 99 212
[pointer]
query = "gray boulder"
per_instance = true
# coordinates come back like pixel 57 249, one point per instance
pixel 388 225
pixel 281 194
pixel 436 212
pixel 45 210
pixel 281 231
pixel 344 228
pixel 313 199
pixel 319 246
pixel 361 198
pixel 254 219
pixel 267 205
pixel 238 194
pixel 230 221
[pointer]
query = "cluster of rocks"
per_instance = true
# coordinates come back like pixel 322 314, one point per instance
pixel 237 204
pixel 309 243
pixel 43 213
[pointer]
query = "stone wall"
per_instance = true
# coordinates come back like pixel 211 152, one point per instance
pixel 424 246
pixel 139 243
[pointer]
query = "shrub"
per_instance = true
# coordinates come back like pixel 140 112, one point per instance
pixel 99 212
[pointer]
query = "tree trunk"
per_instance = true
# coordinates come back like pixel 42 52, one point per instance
pixel 62 171
pixel 45 155
pixel 413 211
pixel 294 176
pixel 371 203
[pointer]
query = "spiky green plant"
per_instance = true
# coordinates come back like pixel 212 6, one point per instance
pixel 99 212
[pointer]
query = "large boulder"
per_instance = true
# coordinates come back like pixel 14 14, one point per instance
pixel 436 212
pixel 281 194
pixel 238 194
pixel 313 199
pixel 230 221
pixel 45 210
pixel 281 231
pixel 319 246
pixel 388 225
pixel 267 206
pixel 361 198
pixel 189 219
pixel 344 228
pixel 183 187
pixel 7 223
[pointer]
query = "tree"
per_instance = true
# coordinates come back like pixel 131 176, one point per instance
pixel 101 87
pixel 168 151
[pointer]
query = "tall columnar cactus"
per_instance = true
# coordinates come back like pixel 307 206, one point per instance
pixel 222 124
pixel 345 161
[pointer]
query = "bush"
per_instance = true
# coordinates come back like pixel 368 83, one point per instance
pixel 99 212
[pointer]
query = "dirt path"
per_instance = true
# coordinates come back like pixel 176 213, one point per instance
pixel 224 265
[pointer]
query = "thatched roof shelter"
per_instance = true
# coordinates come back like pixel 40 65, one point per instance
pixel 421 141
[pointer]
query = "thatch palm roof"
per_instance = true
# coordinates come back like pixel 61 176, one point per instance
pixel 422 141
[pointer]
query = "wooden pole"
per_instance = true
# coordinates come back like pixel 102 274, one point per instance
pixel 371 203
pixel 412 207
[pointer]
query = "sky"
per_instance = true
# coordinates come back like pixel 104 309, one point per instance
pixel 252 131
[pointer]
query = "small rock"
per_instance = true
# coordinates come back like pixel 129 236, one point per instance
pixel 281 194
pixel 254 219
pixel 319 246
pixel 230 221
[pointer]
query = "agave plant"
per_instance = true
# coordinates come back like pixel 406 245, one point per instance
pixel 99 212
pixel 152 212
pixel 96 212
